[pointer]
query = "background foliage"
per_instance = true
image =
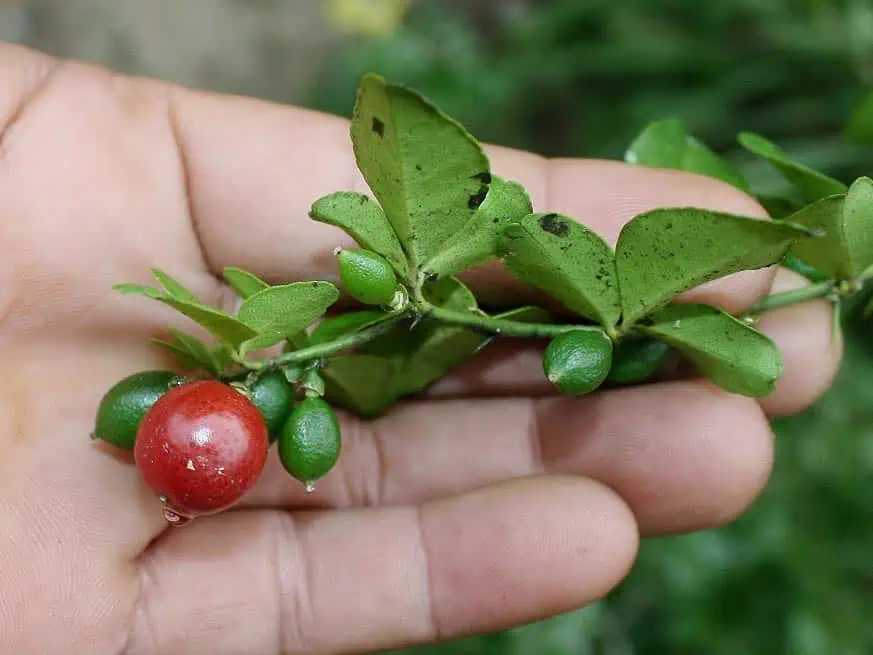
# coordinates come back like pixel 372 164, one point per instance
pixel 580 78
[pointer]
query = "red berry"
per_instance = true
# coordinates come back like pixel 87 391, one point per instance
pixel 200 448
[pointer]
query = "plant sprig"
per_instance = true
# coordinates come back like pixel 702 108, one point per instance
pixel 438 210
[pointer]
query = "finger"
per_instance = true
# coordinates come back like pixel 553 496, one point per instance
pixel 357 581
pixel 254 170
pixel 811 355
pixel 684 455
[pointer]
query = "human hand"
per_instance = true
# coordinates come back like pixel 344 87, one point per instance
pixel 485 505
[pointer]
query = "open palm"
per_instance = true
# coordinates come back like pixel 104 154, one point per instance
pixel 487 504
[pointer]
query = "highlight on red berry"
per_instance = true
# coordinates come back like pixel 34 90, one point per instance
pixel 200 448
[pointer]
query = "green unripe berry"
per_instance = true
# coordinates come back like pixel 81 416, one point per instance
pixel 310 442
pixel 635 360
pixel 577 362
pixel 367 276
pixel 274 397
pixel 123 407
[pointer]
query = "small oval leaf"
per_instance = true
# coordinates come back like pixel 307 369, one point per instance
pixel 568 261
pixel 281 312
pixel 733 355
pixel 365 222
pixel 846 249
pixel 428 173
pixel 812 184
pixel 174 288
pixel 244 283
pixel 666 144
pixel 860 126
pixel 664 252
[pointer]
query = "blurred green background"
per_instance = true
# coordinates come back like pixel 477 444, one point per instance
pixel 580 78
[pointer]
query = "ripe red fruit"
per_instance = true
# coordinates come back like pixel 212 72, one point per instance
pixel 200 448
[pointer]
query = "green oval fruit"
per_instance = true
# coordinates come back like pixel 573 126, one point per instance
pixel 636 360
pixel 367 276
pixel 310 442
pixel 123 407
pixel 577 362
pixel 274 397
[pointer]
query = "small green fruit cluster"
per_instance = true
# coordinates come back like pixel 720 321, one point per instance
pixel 196 440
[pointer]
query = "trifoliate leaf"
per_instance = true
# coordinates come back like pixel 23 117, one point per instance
pixel 846 249
pixel 174 288
pixel 427 172
pixel 811 184
pixel 567 260
pixel 338 326
pixel 664 252
pixel 480 239
pixel 281 312
pixel 666 144
pixel 244 283
pixel 733 355
pixel 365 222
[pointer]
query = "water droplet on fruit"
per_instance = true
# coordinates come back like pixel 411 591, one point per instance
pixel 175 519
pixel 172 516
pixel 190 466
pixel 309 487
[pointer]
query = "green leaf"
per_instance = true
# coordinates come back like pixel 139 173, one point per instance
pixel 426 170
pixel 664 252
pixel 860 126
pixel 131 289
pixel 184 359
pixel 666 144
pixel 479 241
pixel 174 288
pixel 360 383
pixel 365 222
pixel 568 261
pixel 338 326
pixel 846 249
pixel 193 354
pixel 221 325
pixel 733 355
pixel 244 283
pixel 811 184
pixel 281 312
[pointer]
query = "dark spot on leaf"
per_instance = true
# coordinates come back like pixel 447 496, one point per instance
pixel 315 284
pixel 418 167
pixel 430 277
pixel 484 177
pixel 478 198
pixel 496 220
pixel 554 225
pixel 647 321
pixel 668 226
pixel 378 126
pixel 363 199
